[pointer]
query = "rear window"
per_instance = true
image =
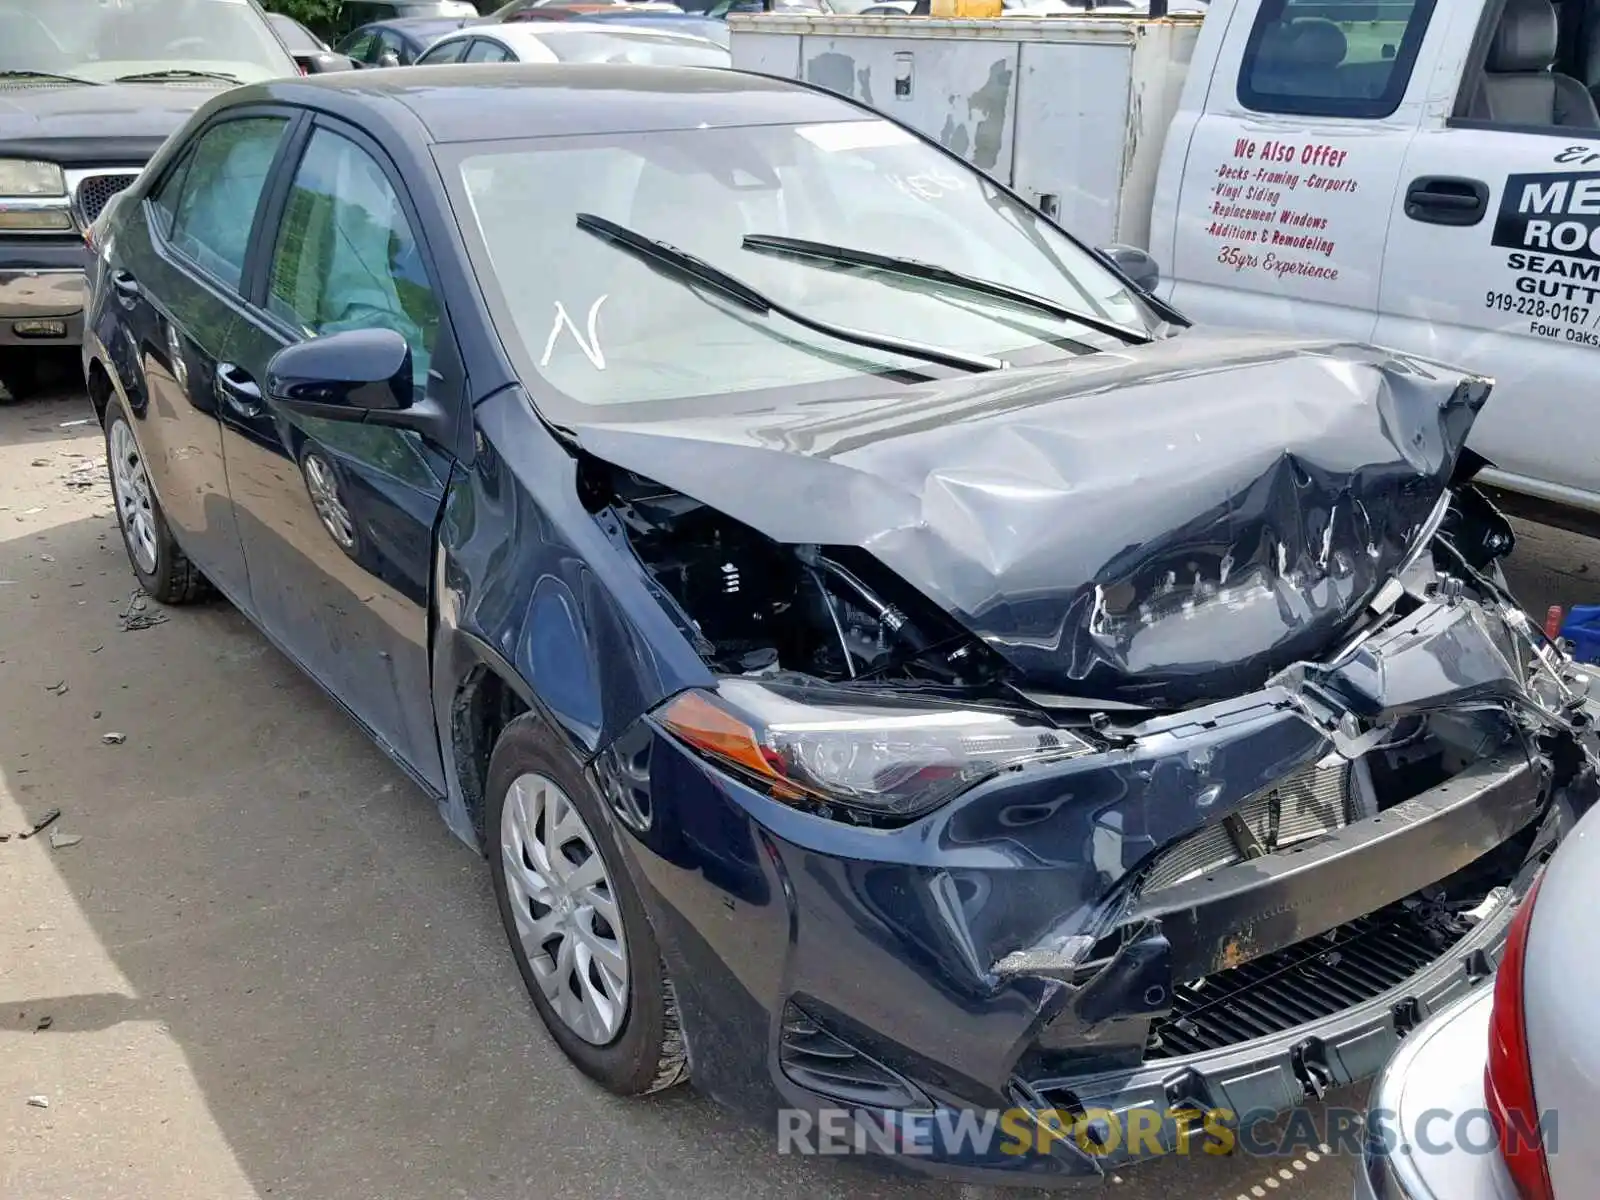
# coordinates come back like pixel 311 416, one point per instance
pixel 1333 58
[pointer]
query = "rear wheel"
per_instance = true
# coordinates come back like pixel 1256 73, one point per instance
pixel 577 927
pixel 162 568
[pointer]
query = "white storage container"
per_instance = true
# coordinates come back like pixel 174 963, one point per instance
pixel 1069 111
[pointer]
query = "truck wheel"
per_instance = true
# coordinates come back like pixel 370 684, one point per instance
pixel 577 927
pixel 25 371
pixel 162 568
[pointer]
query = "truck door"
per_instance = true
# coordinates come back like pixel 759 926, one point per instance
pixel 1493 260
pixel 1284 195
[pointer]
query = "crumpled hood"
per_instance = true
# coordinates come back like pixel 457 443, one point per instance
pixel 1159 525
pixel 99 116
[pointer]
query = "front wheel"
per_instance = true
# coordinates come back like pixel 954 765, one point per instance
pixel 577 927
pixel 162 568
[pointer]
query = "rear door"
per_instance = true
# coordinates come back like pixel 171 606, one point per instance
pixel 1293 162
pixel 337 517
pixel 179 281
pixel 1493 260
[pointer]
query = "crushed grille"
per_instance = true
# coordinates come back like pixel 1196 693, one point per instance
pixel 1306 804
pixel 1309 981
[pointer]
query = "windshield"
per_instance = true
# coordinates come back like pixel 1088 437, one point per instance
pixel 295 36
pixel 604 328
pixel 633 46
pixel 105 40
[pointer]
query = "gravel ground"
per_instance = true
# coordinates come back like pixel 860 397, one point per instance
pixel 266 969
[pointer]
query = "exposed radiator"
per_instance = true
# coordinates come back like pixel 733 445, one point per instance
pixel 1310 802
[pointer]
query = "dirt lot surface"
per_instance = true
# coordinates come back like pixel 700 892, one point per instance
pixel 267 970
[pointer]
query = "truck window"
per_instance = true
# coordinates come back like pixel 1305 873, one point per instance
pixel 1332 58
pixel 1534 63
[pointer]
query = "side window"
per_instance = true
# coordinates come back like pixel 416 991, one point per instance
pixel 391 50
pixel 227 171
pixel 346 257
pixel 449 52
pixel 1540 67
pixel 164 202
pixel 1332 58
pixel 485 51
pixel 359 45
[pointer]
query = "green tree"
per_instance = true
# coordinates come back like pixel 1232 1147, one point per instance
pixel 316 14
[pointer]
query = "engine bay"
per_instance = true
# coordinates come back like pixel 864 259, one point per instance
pixel 752 606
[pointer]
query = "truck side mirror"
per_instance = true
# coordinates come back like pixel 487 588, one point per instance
pixel 1136 264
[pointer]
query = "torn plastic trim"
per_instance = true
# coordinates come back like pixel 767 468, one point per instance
pixel 1450 655
pixel 1266 904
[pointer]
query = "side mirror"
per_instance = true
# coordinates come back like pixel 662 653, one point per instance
pixel 358 375
pixel 1136 264
pixel 323 62
pixel 388 59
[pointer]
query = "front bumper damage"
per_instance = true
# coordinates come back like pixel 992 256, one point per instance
pixel 1035 950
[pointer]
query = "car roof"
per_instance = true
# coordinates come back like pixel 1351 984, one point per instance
pixel 532 34
pixel 420 26
pixel 479 102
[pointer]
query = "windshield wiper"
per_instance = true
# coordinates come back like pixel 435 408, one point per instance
pixel 681 265
pixel 824 254
pixel 48 75
pixel 175 73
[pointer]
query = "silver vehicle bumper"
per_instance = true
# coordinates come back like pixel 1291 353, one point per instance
pixel 42 307
pixel 1436 1076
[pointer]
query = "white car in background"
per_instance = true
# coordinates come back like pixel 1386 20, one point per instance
pixel 575 42
pixel 1490 1098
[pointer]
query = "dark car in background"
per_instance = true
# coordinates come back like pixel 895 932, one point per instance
pixel 891 662
pixel 397 43
pixel 311 54
pixel 88 91
pixel 353 14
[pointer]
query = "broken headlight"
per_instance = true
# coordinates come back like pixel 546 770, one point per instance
pixel 882 755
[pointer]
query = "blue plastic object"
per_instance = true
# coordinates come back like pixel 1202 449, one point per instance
pixel 1582 629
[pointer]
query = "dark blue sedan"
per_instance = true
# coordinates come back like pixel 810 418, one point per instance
pixel 397 42
pixel 891 663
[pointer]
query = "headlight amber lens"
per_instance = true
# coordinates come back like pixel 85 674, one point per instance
pixel 35 220
pixel 887 755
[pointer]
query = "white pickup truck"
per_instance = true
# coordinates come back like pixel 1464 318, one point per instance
pixel 1423 174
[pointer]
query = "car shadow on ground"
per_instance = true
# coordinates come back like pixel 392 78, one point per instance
pixel 283 901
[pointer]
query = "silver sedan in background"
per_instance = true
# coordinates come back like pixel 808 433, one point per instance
pixel 575 42
pixel 1490 1098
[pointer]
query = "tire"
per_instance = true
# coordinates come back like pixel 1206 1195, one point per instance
pixel 646 1052
pixel 162 568
pixel 26 371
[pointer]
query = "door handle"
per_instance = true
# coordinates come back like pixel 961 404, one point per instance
pixel 125 284
pixel 238 391
pixel 1447 200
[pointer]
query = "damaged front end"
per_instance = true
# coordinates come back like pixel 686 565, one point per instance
pixel 1197 806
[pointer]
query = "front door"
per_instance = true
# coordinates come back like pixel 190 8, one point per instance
pixel 189 249
pixel 1292 164
pixel 1493 264
pixel 337 518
